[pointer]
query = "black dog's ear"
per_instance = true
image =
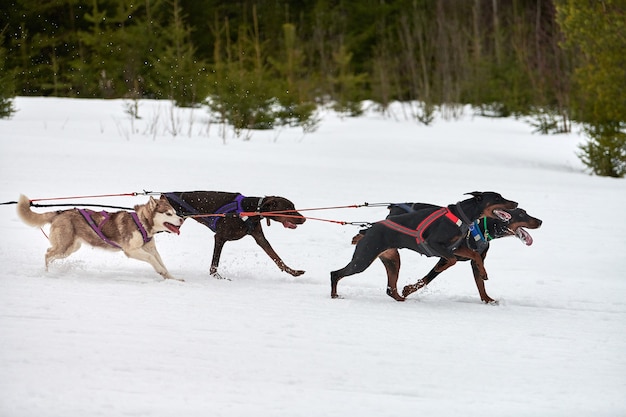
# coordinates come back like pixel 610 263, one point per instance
pixel 476 194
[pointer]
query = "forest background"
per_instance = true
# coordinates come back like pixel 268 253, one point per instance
pixel 258 64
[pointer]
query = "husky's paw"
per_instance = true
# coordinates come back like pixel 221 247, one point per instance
pixel 173 278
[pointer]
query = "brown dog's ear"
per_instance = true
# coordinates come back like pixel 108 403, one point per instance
pixel 269 203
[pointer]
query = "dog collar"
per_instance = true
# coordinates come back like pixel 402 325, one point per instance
pixel 488 237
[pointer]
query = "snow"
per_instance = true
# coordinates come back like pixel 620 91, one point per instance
pixel 104 335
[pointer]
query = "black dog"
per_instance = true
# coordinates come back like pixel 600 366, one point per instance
pixel 488 229
pixel 220 212
pixel 432 231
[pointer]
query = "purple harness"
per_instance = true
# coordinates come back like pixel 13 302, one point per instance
pixel 98 228
pixel 232 207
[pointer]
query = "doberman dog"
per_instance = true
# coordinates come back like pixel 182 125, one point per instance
pixel 488 229
pixel 432 231
pixel 220 211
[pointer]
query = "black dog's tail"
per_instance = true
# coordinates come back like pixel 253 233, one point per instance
pixel 359 236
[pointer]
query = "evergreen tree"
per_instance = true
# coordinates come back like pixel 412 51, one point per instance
pixel 6 85
pixel 265 62
pixel 178 74
pixel 596 33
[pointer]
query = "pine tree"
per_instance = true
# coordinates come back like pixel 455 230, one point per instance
pixel 596 33
pixel 6 85
pixel 178 75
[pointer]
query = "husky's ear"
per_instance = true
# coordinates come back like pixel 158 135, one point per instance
pixel 476 194
pixel 152 202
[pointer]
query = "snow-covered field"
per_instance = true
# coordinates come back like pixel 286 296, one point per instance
pixel 103 335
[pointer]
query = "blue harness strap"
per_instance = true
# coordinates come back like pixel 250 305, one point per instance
pixel 404 206
pixel 477 242
pixel 232 207
pixel 189 209
pixel 209 221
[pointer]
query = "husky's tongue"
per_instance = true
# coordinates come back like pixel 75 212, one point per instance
pixel 502 215
pixel 524 236
pixel 172 228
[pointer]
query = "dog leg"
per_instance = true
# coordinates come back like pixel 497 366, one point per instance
pixel 149 256
pixel 447 263
pixel 411 288
pixel 365 253
pixel 217 275
pixel 477 260
pixel 391 259
pixel 437 269
pixel 355 266
pixel 150 247
pixel 480 285
pixel 215 261
pixel 334 279
pixel 61 247
pixel 480 274
pixel 263 243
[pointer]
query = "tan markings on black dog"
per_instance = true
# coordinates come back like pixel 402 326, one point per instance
pixel 432 231
pixel 491 229
pixel 124 231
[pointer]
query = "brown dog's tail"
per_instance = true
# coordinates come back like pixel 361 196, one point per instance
pixel 30 217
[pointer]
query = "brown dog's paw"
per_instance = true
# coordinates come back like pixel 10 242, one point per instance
pixel 295 273
pixel 217 275
pixel 489 300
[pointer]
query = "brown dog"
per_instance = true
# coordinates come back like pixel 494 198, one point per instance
pixel 124 231
pixel 221 212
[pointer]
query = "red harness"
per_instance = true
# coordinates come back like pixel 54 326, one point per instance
pixel 418 232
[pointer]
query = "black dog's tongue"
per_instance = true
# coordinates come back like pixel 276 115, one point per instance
pixel 524 236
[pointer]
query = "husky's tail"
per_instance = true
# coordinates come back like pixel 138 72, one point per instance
pixel 30 217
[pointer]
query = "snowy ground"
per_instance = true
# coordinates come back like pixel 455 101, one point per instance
pixel 103 335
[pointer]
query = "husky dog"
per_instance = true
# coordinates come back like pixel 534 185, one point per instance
pixel 130 232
